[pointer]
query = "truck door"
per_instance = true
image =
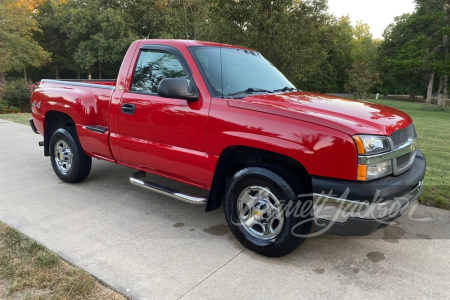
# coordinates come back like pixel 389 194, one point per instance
pixel 162 135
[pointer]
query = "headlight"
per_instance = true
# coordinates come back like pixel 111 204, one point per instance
pixel 374 171
pixel 371 144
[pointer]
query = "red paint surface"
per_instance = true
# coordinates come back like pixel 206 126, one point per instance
pixel 184 140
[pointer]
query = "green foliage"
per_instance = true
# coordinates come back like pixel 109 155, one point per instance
pixel 5 108
pixel 17 94
pixel 288 33
pixel 345 45
pixel 364 47
pixel 414 48
pixel 18 48
pixel 313 48
pixel 108 44
pixel 435 108
pixel 332 75
pixel 361 78
pixel 51 19
pixel 99 35
pixel 404 56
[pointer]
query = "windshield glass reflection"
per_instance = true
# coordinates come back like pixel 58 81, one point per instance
pixel 238 71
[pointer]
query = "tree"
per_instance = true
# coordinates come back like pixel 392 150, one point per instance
pixel 415 50
pixel 109 43
pixel 405 53
pixel 365 53
pixel 98 34
pixel 435 14
pixel 18 49
pixel 361 78
pixel 175 19
pixel 286 32
pixel 332 75
pixel 443 84
pixel 52 39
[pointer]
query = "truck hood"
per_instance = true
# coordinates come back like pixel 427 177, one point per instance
pixel 346 115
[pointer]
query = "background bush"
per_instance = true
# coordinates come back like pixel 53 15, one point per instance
pixel 17 94
pixel 434 108
pixel 5 108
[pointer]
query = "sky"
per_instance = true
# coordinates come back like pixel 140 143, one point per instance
pixel 378 14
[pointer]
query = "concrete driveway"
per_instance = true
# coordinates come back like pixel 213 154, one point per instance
pixel 148 246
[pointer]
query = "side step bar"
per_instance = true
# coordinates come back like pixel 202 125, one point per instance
pixel 138 179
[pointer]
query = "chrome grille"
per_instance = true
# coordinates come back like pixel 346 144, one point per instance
pixel 403 161
pixel 401 136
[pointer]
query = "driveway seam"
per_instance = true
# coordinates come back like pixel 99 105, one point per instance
pixel 211 274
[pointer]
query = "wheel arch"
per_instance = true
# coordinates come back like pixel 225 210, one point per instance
pixel 234 158
pixel 52 121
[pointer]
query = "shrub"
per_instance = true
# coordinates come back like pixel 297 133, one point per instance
pixel 434 108
pixel 17 94
pixel 33 86
pixel 5 108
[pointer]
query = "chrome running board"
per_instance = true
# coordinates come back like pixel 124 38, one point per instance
pixel 138 179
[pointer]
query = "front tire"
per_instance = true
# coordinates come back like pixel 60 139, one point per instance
pixel 69 161
pixel 259 208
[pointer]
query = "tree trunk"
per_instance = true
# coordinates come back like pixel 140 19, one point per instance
pixel 99 70
pixel 443 89
pixel 412 96
pixel 25 73
pixel 2 78
pixel 78 74
pixel 56 73
pixel 430 88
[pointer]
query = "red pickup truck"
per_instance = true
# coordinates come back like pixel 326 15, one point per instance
pixel 284 163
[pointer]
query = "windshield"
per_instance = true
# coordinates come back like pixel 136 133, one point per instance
pixel 242 71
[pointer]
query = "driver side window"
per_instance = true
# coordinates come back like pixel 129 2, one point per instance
pixel 154 66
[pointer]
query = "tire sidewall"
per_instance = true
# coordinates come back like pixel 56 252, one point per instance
pixel 285 192
pixel 64 134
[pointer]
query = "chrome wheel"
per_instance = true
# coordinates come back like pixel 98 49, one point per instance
pixel 63 156
pixel 260 212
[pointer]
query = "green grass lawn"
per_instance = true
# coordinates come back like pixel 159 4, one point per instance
pixel 433 129
pixel 18 118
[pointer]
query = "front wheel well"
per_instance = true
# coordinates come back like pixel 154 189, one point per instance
pixel 53 121
pixel 233 159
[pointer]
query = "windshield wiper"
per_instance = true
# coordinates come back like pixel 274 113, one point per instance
pixel 287 89
pixel 250 90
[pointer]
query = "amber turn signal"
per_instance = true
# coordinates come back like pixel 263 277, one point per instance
pixel 362 172
pixel 359 144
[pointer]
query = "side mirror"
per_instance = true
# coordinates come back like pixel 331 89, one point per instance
pixel 178 88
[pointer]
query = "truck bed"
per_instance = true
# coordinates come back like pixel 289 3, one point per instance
pixel 86 102
pixel 109 83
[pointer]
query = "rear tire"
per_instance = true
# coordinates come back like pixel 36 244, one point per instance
pixel 68 159
pixel 254 206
